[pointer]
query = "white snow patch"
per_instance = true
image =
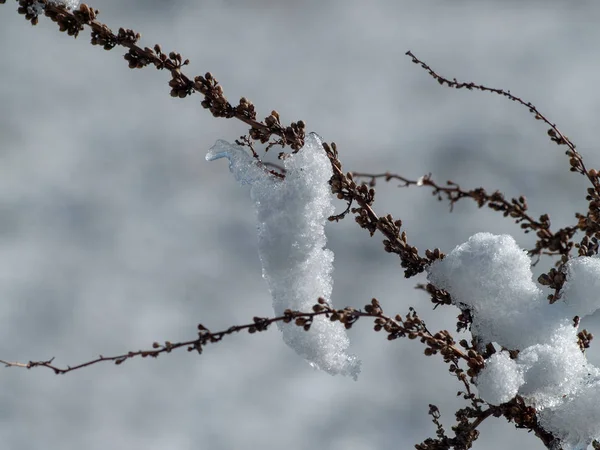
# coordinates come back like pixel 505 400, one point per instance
pixel 291 215
pixel 491 276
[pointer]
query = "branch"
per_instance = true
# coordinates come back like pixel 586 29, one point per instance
pixel 555 134
pixel 73 22
pixel 411 326
pixel 345 188
pixel 560 242
pixel 557 243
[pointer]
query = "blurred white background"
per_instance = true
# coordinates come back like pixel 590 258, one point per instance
pixel 114 231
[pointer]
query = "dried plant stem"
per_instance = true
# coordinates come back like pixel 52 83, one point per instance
pixel 411 326
pixel 73 22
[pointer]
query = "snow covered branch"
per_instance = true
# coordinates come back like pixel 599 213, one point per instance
pixel 291 215
pixel 525 359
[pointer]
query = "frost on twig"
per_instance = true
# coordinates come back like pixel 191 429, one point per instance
pixel 490 276
pixel 69 4
pixel 291 215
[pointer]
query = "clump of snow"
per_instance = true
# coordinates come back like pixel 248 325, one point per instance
pixel 70 4
pixel 38 8
pixel 501 379
pixel 491 276
pixel 582 274
pixel 291 215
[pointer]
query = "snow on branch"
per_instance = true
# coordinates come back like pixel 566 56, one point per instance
pixel 540 357
pixel 291 215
